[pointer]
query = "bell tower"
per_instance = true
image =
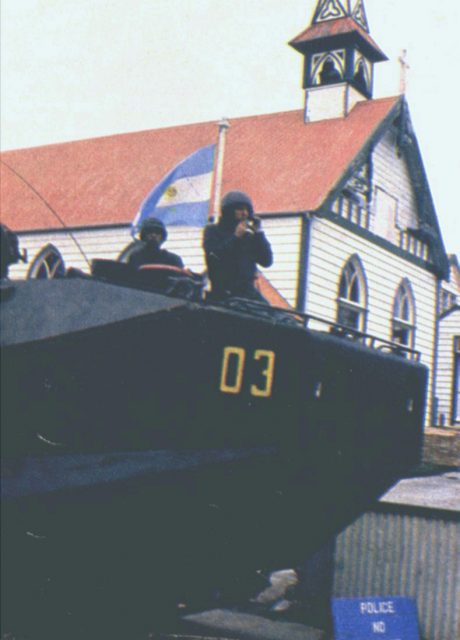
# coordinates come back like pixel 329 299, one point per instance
pixel 339 57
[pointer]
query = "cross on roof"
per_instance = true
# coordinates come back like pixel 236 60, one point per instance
pixel 403 72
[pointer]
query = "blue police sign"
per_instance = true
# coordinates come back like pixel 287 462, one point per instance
pixel 375 618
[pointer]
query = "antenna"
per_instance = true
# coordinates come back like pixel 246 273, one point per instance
pixel 47 204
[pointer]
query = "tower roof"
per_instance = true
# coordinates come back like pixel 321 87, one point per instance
pixel 334 22
pixel 333 9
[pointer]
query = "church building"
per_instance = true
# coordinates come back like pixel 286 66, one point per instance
pixel 339 183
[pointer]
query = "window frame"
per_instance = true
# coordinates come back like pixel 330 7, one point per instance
pixel 404 292
pixel 348 304
pixel 384 225
pixel 456 382
pixel 40 261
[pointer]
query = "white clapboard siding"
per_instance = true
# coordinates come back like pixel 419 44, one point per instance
pixel 108 242
pixel 284 235
pixel 77 248
pixel 449 328
pixel 390 173
pixel 332 246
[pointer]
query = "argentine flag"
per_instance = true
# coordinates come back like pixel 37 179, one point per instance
pixel 182 196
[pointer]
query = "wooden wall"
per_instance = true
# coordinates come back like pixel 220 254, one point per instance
pixel 449 328
pixel 390 173
pixel 330 249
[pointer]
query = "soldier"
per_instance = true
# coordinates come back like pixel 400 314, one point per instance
pixel 234 247
pixel 153 235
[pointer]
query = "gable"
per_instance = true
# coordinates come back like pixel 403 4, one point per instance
pixel 391 175
pixel 386 193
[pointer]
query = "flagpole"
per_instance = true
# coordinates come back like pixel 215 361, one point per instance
pixel 223 126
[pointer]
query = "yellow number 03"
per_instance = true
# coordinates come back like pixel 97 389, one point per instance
pixel 238 355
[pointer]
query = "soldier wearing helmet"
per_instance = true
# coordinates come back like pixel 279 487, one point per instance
pixel 153 234
pixel 234 247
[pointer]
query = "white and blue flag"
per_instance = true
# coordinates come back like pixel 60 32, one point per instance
pixel 182 196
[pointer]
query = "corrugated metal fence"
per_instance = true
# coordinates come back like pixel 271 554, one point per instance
pixel 405 554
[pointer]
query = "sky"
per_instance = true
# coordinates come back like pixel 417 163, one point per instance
pixel 75 69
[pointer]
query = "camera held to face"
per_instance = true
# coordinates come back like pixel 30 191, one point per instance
pixel 254 224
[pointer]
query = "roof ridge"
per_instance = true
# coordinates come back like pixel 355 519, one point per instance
pixel 101 137
pixel 204 123
pixel 257 116
pixel 380 100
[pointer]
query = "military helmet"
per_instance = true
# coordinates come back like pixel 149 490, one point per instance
pixel 153 225
pixel 232 199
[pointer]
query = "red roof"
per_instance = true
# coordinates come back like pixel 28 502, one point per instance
pixel 332 28
pixel 284 164
pixel 271 294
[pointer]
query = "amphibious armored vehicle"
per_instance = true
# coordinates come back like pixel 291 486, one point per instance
pixel 155 444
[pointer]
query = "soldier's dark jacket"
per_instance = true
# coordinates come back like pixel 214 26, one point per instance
pixel 231 261
pixel 150 253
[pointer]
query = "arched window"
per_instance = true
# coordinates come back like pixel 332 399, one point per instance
pixel 329 73
pixel 352 299
pixel 328 67
pixel 47 264
pixel 403 329
pixel 360 76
